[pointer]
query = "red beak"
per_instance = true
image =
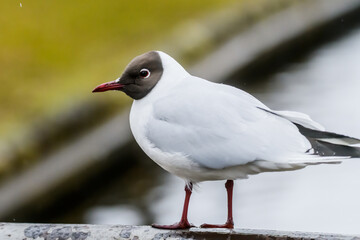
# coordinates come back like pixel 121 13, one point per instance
pixel 113 85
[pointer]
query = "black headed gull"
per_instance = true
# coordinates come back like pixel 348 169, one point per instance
pixel 202 131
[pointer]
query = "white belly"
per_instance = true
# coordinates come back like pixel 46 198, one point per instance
pixel 175 163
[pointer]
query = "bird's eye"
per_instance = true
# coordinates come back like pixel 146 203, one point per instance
pixel 144 73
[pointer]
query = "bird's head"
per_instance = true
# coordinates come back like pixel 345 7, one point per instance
pixel 140 76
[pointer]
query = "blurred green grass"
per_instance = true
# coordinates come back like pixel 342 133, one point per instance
pixel 53 53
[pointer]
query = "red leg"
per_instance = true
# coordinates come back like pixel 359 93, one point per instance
pixel 184 223
pixel 229 223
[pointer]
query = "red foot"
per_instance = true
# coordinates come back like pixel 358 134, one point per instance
pixel 179 225
pixel 229 225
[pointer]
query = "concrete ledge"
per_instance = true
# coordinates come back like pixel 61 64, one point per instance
pixel 27 231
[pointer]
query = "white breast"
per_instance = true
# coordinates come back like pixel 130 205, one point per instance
pixel 175 163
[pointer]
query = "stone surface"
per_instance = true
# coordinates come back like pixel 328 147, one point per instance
pixel 27 231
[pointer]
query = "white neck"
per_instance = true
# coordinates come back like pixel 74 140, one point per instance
pixel 173 74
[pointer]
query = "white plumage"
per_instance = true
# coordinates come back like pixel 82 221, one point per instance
pixel 199 130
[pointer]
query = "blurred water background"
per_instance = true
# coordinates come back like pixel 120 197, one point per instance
pixel 53 54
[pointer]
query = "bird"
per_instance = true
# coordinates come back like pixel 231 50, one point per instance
pixel 201 131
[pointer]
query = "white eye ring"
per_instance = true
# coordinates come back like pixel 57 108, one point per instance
pixel 145 73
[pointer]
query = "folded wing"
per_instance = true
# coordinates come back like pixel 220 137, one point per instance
pixel 222 127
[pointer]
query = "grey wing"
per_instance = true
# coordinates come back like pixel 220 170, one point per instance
pixel 219 130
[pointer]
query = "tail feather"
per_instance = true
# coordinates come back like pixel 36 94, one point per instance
pixel 324 144
pixel 327 136
pixel 330 144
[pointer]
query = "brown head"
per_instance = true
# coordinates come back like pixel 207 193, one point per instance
pixel 140 76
